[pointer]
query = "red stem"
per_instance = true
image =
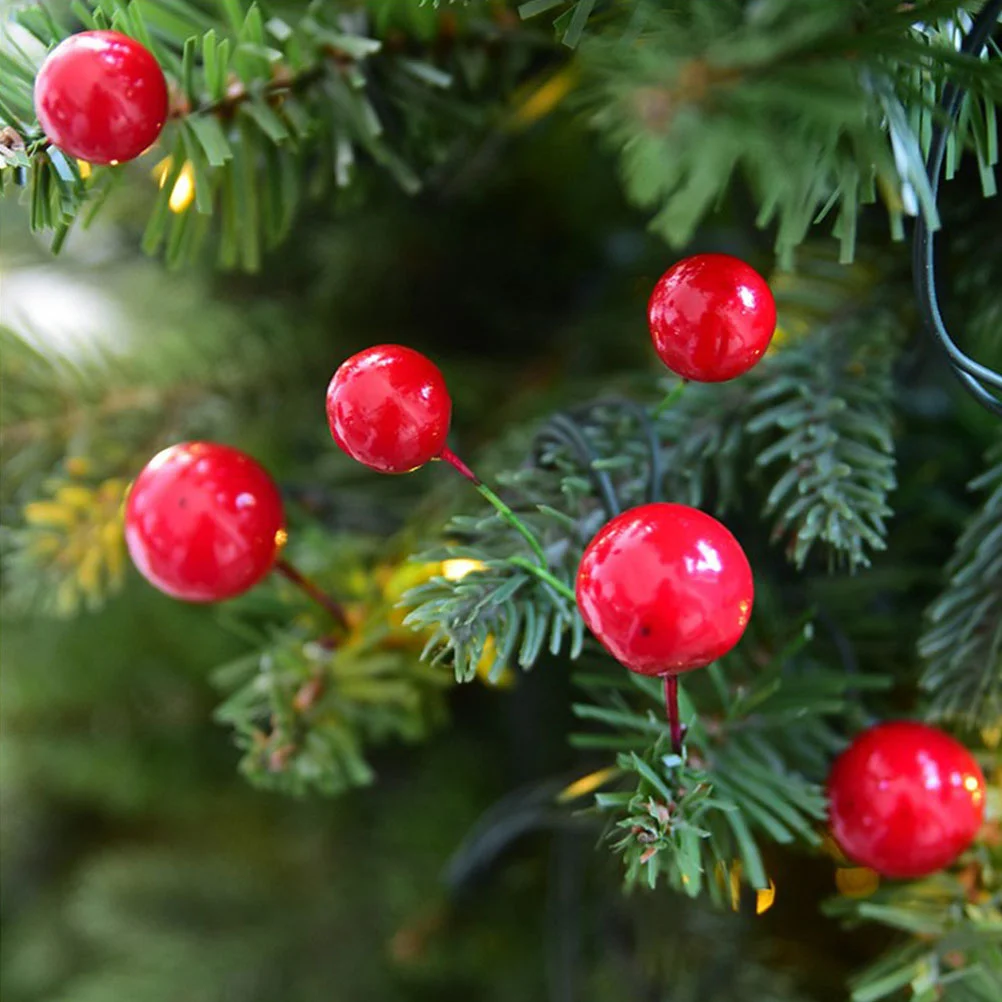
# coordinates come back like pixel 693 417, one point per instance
pixel 453 460
pixel 671 708
pixel 314 591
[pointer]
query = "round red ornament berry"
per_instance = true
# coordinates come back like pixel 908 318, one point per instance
pixel 905 799
pixel 711 317
pixel 101 96
pixel 203 522
pixel 389 408
pixel 665 588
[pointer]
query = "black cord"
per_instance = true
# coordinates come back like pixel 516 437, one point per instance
pixel 975 377
pixel 650 434
pixel 563 430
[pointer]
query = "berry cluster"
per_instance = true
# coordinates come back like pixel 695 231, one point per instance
pixel 665 588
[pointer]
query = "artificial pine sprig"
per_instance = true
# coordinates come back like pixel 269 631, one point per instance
pixel 266 111
pixel 761 727
pixel 962 642
pixel 692 97
pixel 606 457
pixel 949 930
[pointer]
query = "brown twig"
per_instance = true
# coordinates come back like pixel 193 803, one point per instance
pixel 313 590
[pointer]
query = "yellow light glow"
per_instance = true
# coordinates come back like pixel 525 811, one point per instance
pixel 161 170
pixel 545 98
pixel 85 169
pixel 744 612
pixel 183 192
pixel 856 881
pixel 764 898
pixel 831 848
pixel 78 466
pixel 781 337
pixel 973 786
pixel 587 784
pixel 281 538
pixel 488 665
pixel 735 884
pixel 456 570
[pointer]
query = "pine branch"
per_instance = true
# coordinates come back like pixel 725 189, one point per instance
pixel 306 704
pixel 74 431
pixel 70 551
pixel 266 112
pixel 759 736
pixel 826 410
pixel 695 97
pixel 304 714
pixel 496 615
pixel 815 414
pixel 571 23
pixel 124 399
pixel 955 921
pixel 962 643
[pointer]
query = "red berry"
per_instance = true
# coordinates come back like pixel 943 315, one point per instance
pixel 905 799
pixel 389 408
pixel 101 96
pixel 711 317
pixel 665 588
pixel 204 522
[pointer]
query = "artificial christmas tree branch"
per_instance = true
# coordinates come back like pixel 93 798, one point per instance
pixel 503 510
pixel 246 88
pixel 962 642
pixel 683 820
pixel 815 415
pixel 679 150
pixel 306 710
pixel 813 442
pixel 896 50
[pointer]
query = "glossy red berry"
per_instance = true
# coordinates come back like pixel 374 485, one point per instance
pixel 905 799
pixel 711 317
pixel 389 408
pixel 665 588
pixel 204 522
pixel 101 96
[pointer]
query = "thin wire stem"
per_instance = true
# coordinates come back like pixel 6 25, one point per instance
pixel 448 456
pixel 671 709
pixel 561 587
pixel 670 398
pixel 313 590
pixel 503 510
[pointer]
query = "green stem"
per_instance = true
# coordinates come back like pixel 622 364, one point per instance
pixel 561 587
pixel 515 522
pixel 503 510
pixel 671 397
pixel 539 569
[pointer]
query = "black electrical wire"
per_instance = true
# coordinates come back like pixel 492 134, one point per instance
pixel 563 430
pixel 979 380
